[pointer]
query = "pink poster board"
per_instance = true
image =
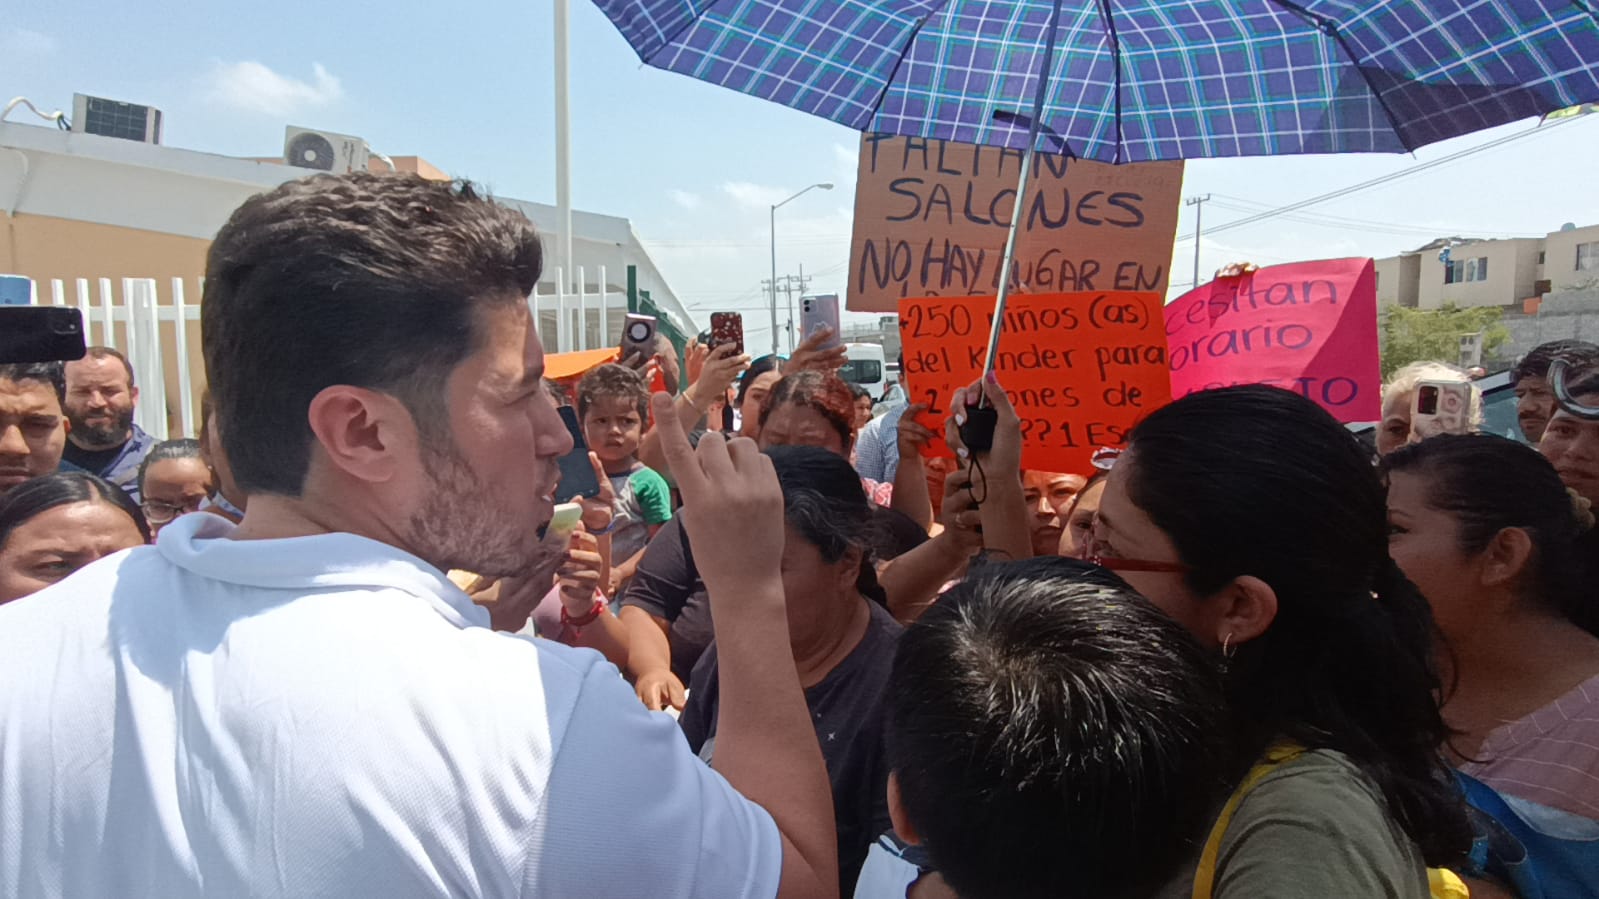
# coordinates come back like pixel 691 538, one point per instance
pixel 1310 327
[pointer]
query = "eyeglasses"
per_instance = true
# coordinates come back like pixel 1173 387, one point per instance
pixel 1096 556
pixel 1111 563
pixel 157 512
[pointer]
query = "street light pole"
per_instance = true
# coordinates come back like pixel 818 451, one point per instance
pixel 824 185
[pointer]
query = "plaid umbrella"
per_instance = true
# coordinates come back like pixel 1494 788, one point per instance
pixel 1138 80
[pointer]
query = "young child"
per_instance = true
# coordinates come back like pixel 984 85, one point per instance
pixel 611 404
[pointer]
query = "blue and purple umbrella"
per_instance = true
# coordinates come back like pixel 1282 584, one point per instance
pixel 1138 80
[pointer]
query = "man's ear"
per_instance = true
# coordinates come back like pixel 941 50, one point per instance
pixel 363 433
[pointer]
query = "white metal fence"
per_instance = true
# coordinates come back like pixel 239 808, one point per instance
pixel 160 334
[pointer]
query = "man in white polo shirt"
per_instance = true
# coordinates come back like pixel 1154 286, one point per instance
pixel 305 705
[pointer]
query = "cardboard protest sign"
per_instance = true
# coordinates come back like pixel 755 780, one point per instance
pixel 931 218
pixel 1081 368
pixel 1307 326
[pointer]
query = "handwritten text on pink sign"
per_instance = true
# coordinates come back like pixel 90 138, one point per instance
pixel 1310 327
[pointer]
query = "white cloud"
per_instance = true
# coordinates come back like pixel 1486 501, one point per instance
pixel 27 42
pixel 755 196
pixel 847 159
pixel 252 87
pixel 684 198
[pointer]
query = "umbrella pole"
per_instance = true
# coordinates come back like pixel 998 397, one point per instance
pixel 1009 261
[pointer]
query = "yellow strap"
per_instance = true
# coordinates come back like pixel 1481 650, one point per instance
pixel 1205 875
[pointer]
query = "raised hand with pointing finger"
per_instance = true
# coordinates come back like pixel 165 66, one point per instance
pixel 766 744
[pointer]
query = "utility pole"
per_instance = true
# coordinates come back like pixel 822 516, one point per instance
pixel 1199 211
pixel 791 307
pixel 790 284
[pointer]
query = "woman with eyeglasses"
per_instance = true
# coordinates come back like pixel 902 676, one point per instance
pixel 1255 520
pixel 174 480
pixel 54 525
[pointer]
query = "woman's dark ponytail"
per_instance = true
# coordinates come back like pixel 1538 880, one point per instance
pixel 1415 790
pixel 1260 482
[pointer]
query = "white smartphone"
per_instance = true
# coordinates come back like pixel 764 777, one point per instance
pixel 565 520
pixel 1441 407
pixel 817 313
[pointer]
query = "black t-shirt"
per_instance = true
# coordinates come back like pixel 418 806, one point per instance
pixel 93 461
pixel 667 585
pixel 847 707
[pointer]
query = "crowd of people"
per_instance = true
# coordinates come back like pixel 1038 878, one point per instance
pixel 333 645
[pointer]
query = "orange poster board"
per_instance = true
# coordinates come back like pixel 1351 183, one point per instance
pixel 1081 368
pixel 931 218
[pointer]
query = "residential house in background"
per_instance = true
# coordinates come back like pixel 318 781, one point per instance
pixel 1547 287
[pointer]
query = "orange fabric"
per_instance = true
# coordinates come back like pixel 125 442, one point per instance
pixel 561 366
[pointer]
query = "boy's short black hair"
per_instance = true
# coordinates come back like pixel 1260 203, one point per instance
pixel 1053 734
pixel 612 380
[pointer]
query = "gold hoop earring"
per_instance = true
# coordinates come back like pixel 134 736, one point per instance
pixel 1228 650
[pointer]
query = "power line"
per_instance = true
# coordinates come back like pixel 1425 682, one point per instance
pixel 734 243
pixel 1542 128
pixel 1374 227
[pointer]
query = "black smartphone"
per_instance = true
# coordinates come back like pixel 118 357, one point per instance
pixel 577 472
pixel 40 334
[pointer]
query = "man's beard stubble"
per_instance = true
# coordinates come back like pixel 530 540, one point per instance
pixel 463 523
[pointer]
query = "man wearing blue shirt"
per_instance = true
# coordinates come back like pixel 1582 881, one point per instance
pixel 100 400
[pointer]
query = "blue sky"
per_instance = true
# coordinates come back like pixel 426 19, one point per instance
pixel 470 88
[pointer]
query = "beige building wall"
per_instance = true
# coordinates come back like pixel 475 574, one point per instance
pixel 80 206
pixel 1398 280
pixel 1560 258
pixel 1512 269
pixel 46 248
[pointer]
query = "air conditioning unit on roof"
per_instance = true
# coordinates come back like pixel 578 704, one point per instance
pixel 325 151
pixel 112 118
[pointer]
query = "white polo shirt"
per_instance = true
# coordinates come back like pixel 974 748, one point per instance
pixel 330 716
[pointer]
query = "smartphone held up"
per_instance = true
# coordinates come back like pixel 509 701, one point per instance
pixel 40 334
pixel 1441 407
pixel 577 470
pixel 818 313
pixel 727 328
pixel 638 335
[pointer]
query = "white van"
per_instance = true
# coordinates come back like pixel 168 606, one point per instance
pixel 866 367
